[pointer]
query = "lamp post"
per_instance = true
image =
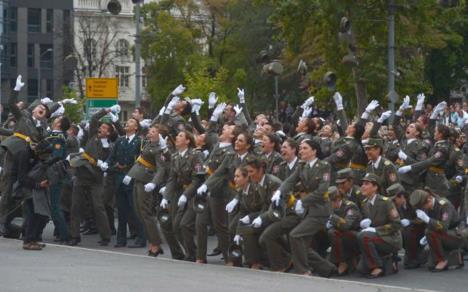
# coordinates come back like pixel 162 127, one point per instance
pixel 137 54
pixel 39 87
pixel 275 68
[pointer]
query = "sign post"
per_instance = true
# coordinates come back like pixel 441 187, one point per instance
pixel 101 93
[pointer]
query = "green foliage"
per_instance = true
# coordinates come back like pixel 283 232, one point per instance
pixel 75 112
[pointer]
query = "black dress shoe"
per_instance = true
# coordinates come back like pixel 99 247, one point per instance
pixel 90 232
pixel 74 241
pixel 104 242
pixel 156 253
pixel 120 245
pixel 216 251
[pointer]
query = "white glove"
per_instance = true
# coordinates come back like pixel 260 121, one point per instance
pixel 307 111
pixel 1 168
pixel 205 154
pixel 58 112
pixel 164 203
pixel 162 142
pixel 402 155
pixel 115 109
pixel 420 102
pixel 338 101
pixel 405 105
pixel 405 222
pixel 69 101
pixel 146 123
pixel 161 190
pixel 365 223
pixel 196 105
pixel 103 165
pixel 217 112
pixel 202 189
pixel 369 229
pixel 422 216
pixel 114 117
pixel 19 83
pixel 329 225
pixel 438 109
pixel 298 208
pixel 126 180
pixel 308 102
pixel 404 169
pixel 237 239
pixel 238 109
pixel 241 95
pixel 149 187
pixel 459 178
pixel 212 100
pixel 245 220
pixel 171 105
pixel 182 201
pixel 162 110
pixel 372 106
pixel 257 222
pixel 384 116
pixel 46 100
pixel 178 90
pixel 423 241
pixel 231 205
pixel 81 150
pixel 276 197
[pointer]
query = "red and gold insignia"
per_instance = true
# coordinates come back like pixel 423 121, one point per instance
pixel 198 167
pixel 392 177
pixel 339 153
pixel 394 213
pixel 445 216
pixel 438 154
pixel 163 158
pixel 350 212
pixel 58 146
pixel 275 169
pixel 326 176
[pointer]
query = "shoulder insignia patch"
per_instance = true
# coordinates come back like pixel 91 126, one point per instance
pixel 385 198
pixel 387 162
pixel 442 202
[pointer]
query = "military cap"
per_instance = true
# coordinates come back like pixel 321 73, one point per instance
pixel 371 177
pixel 344 174
pixel 374 142
pixel 418 198
pixel 332 193
pixel 394 190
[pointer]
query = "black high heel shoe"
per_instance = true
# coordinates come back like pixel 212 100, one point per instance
pixel 155 253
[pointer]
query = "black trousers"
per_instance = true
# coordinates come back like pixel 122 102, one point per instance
pixel 34 223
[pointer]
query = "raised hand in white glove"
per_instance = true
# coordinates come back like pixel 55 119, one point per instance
pixel 459 178
pixel 405 105
pixel 196 105
pixel 405 222
pixel 276 197
pixel 115 109
pixel 438 109
pixel 182 201
pixel 257 222
pixel 164 203
pixel 369 229
pixel 402 155
pixel 58 112
pixel 162 142
pixel 366 222
pixel 241 95
pixel 171 105
pixel 423 241
pixel 162 110
pixel 212 100
pixel 237 239
pixel 372 106
pixel 202 189
pixel 422 216
pixel 46 100
pixel 245 220
pixel 217 112
pixel 69 101
pixel 308 102
pixel 149 187
pixel 114 117
pixel 231 205
pixel 178 90
pixel 329 225
pixel 298 208
pixel 307 111
pixel 420 102
pixel 338 101
pixel 237 109
pixel 126 180
pixel 161 190
pixel 404 169
pixel 19 83
pixel 146 123
pixel 384 116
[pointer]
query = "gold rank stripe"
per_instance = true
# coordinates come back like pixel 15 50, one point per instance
pixel 89 158
pixel 436 169
pixel 22 136
pixel 146 163
pixel 358 166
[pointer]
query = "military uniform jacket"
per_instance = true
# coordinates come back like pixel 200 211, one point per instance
pixel 385 219
pixel 443 216
pixel 417 151
pixel 325 146
pixel 273 161
pixel 391 150
pixel 212 163
pixel 153 154
pixel 124 153
pixel 355 196
pixel 72 144
pixel 224 174
pixel 250 201
pixel 341 153
pixel 455 164
pixel 185 176
pixel 270 184
pixel 347 217
pixel 315 181
pixel 284 171
pixel 386 171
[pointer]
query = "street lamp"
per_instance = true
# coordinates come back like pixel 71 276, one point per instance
pixel 39 87
pixel 275 68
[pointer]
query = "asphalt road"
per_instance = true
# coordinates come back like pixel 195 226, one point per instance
pixel 93 268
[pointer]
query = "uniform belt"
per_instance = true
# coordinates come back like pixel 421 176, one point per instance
pixel 400 162
pixel 341 165
pixel 209 171
pixel 292 200
pixel 146 163
pixel 466 170
pixel 89 158
pixel 22 136
pixel 436 169
pixel 358 166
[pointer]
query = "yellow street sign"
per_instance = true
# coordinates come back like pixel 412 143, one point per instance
pixel 102 88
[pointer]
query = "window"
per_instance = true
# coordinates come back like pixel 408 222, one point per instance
pixel 46 57
pixel 50 88
pixel 13 19
pixel 13 54
pixel 50 20
pixel 30 55
pixel 122 72
pixel 89 49
pixel 122 48
pixel 32 89
pixel 34 20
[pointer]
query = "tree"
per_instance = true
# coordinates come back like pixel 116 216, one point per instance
pixel 73 111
